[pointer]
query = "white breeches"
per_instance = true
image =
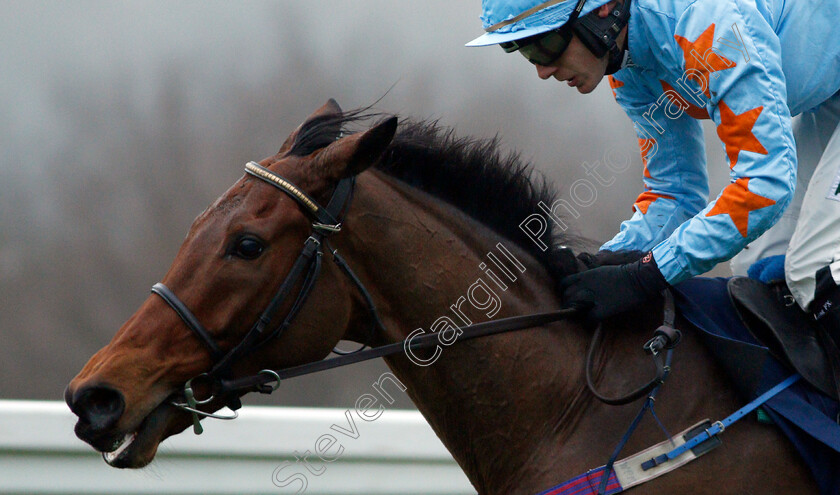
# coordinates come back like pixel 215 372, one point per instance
pixel 809 230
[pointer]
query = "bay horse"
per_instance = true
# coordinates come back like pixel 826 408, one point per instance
pixel 428 213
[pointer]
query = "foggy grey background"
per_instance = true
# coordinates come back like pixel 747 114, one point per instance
pixel 120 121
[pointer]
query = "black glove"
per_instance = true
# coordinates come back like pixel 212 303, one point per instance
pixel 604 258
pixel 562 262
pixel 609 290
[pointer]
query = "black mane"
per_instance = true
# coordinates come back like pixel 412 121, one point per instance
pixel 499 190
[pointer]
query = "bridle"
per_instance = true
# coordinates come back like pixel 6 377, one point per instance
pixel 305 270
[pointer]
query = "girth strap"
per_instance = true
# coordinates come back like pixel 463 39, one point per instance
pixel 719 426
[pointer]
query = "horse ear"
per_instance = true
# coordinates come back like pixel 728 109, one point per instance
pixel 327 110
pixel 352 155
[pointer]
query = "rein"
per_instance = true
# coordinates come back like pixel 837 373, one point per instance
pixel 259 382
pixel 305 271
pixel 665 338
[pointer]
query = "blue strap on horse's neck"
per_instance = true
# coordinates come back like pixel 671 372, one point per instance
pixel 719 426
pixel 610 484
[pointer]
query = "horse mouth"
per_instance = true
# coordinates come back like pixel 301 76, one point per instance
pixel 121 447
pixel 137 448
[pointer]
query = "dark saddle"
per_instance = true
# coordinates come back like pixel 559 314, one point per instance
pixel 791 336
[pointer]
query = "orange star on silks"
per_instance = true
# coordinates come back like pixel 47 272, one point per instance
pixel 645 145
pixel 737 201
pixel 698 56
pixel 646 198
pixel 615 84
pixel 691 109
pixel 736 132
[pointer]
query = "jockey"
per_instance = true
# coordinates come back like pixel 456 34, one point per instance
pixel 748 65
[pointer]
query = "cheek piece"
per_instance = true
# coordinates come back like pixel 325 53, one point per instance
pixel 599 35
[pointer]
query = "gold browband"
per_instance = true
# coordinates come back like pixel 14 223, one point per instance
pixel 254 168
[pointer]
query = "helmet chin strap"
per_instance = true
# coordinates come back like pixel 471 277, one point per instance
pixel 600 35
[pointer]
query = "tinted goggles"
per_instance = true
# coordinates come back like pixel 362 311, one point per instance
pixel 543 48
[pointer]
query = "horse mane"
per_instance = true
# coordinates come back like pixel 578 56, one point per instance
pixel 498 189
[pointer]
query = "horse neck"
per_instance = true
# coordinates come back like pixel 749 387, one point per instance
pixel 493 401
pixel 513 409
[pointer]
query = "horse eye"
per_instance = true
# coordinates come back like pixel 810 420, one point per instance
pixel 248 248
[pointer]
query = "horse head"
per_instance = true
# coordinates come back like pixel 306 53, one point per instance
pixel 237 256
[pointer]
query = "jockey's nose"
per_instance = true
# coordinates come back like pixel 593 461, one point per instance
pixel 545 71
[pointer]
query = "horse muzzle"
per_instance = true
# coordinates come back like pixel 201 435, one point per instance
pixel 100 408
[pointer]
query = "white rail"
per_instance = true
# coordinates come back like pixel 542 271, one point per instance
pixel 260 452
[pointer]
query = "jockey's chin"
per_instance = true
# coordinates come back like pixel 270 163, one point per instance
pixel 585 85
pixel 585 81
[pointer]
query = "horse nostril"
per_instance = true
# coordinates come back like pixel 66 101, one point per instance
pixel 98 406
